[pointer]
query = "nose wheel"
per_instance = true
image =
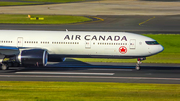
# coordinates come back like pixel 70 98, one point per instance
pixel 139 62
pixel 138 66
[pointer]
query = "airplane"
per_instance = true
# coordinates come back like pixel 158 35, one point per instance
pixel 36 48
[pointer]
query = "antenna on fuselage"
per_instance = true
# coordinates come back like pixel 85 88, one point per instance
pixel 66 30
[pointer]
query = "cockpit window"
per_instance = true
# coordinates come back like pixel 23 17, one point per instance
pixel 152 43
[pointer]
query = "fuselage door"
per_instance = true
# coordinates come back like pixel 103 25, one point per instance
pixel 88 44
pixel 19 42
pixel 132 44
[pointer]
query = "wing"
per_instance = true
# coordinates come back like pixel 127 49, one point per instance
pixel 8 50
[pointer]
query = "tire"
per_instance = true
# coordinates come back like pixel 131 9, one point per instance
pixel 4 67
pixel 137 68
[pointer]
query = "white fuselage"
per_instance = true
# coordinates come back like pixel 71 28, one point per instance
pixel 82 44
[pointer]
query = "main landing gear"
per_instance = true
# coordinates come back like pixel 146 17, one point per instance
pixel 139 62
pixel 4 67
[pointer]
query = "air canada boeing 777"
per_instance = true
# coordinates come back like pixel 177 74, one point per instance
pixel 36 48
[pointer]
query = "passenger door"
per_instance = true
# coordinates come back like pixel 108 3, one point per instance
pixel 132 44
pixel 20 42
pixel 88 44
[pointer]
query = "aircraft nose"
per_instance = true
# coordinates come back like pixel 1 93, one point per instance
pixel 155 49
pixel 161 48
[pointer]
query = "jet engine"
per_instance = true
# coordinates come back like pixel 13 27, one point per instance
pixel 33 57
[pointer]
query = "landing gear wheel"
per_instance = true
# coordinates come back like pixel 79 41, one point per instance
pixel 4 67
pixel 137 68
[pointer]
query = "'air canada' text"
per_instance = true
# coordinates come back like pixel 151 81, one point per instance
pixel 94 37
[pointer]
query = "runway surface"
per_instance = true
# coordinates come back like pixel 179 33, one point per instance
pixel 138 24
pixel 96 72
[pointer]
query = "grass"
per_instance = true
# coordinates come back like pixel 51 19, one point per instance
pixel 171 53
pixel 48 19
pixel 36 2
pixel 15 3
pixel 85 91
pixel 57 1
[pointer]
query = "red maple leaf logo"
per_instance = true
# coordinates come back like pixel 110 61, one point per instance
pixel 122 49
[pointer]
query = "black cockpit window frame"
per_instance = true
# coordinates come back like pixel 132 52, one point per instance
pixel 152 43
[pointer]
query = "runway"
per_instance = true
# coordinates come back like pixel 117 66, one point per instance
pixel 137 24
pixel 96 72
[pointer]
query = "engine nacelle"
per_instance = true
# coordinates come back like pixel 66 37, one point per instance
pixel 33 57
pixel 56 58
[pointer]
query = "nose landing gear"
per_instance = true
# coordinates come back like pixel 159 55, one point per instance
pixel 139 62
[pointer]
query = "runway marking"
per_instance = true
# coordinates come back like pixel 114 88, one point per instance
pixel 113 69
pixel 99 20
pixel 65 73
pixel 90 77
pixel 146 21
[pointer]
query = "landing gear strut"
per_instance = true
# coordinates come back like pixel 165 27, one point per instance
pixel 139 62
